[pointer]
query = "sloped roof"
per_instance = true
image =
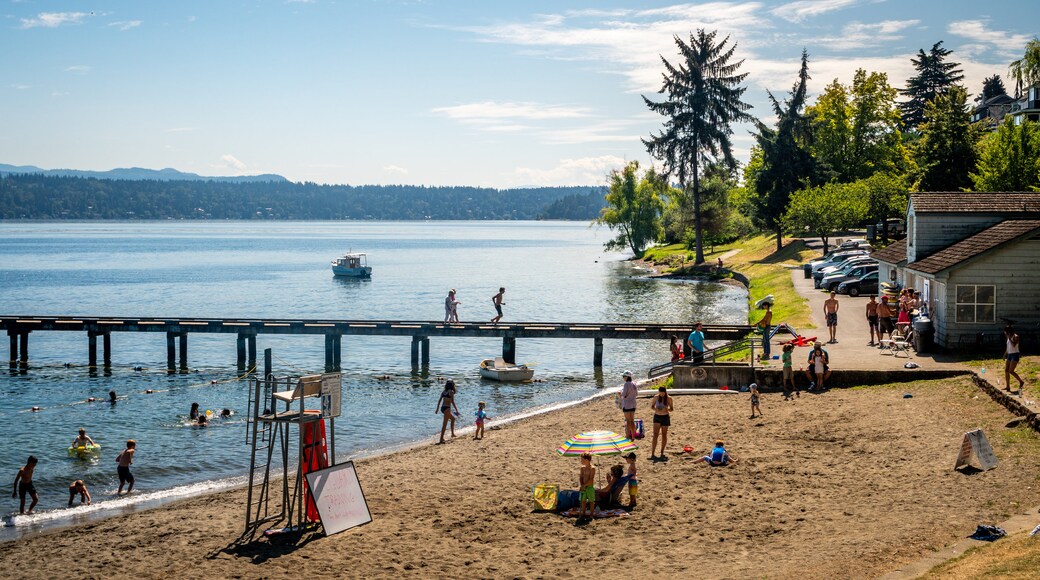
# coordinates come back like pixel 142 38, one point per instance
pixel 893 254
pixel 1015 202
pixel 978 244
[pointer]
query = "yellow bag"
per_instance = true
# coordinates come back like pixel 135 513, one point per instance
pixel 545 496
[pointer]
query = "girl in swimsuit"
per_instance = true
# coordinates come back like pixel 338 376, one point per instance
pixel 662 405
pixel 444 407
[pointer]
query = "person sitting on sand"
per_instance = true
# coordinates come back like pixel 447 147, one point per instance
pixel 609 497
pixel 718 456
pixel 78 487
pixel 83 440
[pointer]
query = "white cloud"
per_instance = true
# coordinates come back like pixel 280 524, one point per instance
pixel 125 24
pixel 53 19
pixel 857 35
pixel 79 69
pixel 230 161
pixel 583 171
pixel 1010 45
pixel 492 111
pixel 395 169
pixel 21 87
pixel 182 129
pixel 802 9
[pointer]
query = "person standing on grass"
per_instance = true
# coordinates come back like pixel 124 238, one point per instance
pixel 1012 355
pixel 764 325
pixel 662 407
pixel 497 301
pixel 830 309
pixel 629 392
pixel 872 320
pixel 696 340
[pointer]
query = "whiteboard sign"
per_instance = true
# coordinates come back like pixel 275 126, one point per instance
pixel 976 444
pixel 331 394
pixel 337 493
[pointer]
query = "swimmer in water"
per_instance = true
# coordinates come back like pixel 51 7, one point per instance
pixel 83 440
pixel 201 421
pixel 194 413
pixel 112 397
pixel 225 414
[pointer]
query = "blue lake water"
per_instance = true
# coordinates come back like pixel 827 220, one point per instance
pixel 553 271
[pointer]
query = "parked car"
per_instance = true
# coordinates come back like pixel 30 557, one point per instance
pixel 835 259
pixel 855 243
pixel 830 281
pixel 868 284
pixel 844 265
pixel 896 227
pixel 831 256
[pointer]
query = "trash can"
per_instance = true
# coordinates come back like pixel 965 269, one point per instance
pixel 924 334
pixel 807 270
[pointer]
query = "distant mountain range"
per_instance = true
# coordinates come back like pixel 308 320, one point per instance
pixel 138 173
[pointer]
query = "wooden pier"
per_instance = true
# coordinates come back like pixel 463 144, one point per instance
pixel 246 330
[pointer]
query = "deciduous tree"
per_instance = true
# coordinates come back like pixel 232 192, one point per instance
pixel 633 208
pixel 1009 159
pixel 827 209
pixel 1026 70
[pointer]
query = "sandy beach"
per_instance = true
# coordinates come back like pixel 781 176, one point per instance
pixel 849 483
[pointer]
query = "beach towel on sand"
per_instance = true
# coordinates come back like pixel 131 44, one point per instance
pixel 545 496
pixel 598 513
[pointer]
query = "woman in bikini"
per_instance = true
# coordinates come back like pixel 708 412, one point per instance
pixel 662 406
pixel 444 406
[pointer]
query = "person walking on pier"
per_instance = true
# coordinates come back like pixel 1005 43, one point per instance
pixel 451 307
pixel 497 301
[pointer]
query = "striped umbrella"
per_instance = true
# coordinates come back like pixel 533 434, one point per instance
pixel 596 443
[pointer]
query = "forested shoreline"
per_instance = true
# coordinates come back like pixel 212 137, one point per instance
pixel 41 197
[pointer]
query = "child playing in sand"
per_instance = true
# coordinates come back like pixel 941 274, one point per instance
pixel 481 415
pixel 23 485
pixel 718 456
pixel 587 485
pixel 633 484
pixel 124 459
pixel 754 400
pixel 78 487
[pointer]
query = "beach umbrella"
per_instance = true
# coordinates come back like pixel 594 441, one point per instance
pixel 596 443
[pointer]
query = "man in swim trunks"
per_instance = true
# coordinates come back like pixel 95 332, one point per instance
pixel 872 320
pixel 885 325
pixel 497 301
pixel 23 485
pixel 124 459
pixel 830 309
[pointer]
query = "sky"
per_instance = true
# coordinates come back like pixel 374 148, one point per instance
pixel 433 92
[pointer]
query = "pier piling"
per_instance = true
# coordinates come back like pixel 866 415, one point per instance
pixel 509 349
pixel 597 353
pixel 13 338
pixel 106 349
pixel 252 351
pixel 240 347
pixel 184 351
pixel 92 349
pixel 23 350
pixel 332 352
pixel 171 351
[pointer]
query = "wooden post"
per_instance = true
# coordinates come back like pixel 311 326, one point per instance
pixel 13 338
pixel 92 349
pixel 415 350
pixel 330 346
pixel 23 350
pixel 252 352
pixel 240 347
pixel 337 353
pixel 597 353
pixel 171 352
pixel 106 349
pixel 184 351
pixel 425 350
pixel 509 349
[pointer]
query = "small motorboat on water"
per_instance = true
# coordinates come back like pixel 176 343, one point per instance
pixel 497 369
pixel 353 265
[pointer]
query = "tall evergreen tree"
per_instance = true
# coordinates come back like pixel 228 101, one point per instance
pixel 702 98
pixel 787 164
pixel 947 150
pixel 991 87
pixel 934 77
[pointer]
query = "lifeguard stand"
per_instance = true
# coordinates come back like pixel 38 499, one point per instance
pixel 275 405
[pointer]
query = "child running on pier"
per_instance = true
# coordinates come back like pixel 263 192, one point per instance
pixel 23 485
pixel 481 416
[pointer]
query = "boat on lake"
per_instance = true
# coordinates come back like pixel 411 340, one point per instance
pixel 497 369
pixel 352 265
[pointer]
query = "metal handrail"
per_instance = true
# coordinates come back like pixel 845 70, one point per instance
pixel 709 355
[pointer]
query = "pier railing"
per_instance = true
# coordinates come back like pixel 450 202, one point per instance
pixel 708 357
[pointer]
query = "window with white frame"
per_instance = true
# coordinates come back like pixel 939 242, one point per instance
pixel 976 304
